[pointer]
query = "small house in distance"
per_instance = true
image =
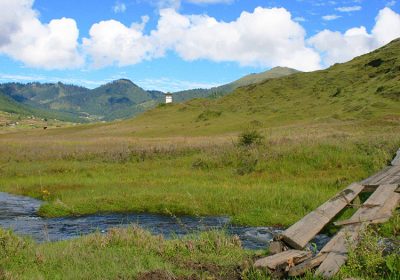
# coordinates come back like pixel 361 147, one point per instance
pixel 168 98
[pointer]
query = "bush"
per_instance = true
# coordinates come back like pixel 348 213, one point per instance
pixel 249 138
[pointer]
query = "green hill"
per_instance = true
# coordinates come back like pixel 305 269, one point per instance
pixel 254 78
pixel 9 105
pixel 118 99
pixel 364 89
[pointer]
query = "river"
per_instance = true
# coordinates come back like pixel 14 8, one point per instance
pixel 19 213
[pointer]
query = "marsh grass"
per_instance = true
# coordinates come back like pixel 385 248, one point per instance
pixel 272 183
pixel 120 254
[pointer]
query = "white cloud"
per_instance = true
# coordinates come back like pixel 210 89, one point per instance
pixel 341 47
pixel 119 7
pixel 173 85
pixel 49 79
pixel 266 37
pixel 111 42
pixel 330 17
pixel 349 9
pixel 23 37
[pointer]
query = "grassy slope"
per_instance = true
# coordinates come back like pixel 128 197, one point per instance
pixel 273 73
pixel 350 91
pixel 323 130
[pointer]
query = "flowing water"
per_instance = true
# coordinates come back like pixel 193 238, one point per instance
pixel 19 213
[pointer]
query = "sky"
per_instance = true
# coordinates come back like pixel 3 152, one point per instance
pixel 173 45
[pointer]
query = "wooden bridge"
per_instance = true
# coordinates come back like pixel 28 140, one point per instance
pixel 291 259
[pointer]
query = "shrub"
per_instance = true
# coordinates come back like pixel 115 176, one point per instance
pixel 368 259
pixel 249 138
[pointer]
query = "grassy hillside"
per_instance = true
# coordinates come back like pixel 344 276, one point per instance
pixel 273 73
pixel 365 89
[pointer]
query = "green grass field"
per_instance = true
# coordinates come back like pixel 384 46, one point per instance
pixel 273 183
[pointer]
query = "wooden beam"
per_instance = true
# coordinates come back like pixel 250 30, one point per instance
pixel 298 235
pixel 374 220
pixel 307 265
pixel 376 177
pixel 290 256
pixel 384 200
pixel 396 160
pixel 337 247
pixel 386 211
pixel 388 175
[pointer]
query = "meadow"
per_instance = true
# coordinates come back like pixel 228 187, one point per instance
pixel 275 182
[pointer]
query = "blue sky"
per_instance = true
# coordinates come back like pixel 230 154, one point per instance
pixel 172 45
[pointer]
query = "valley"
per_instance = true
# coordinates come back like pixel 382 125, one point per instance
pixel 264 155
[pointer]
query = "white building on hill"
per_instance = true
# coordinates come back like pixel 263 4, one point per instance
pixel 168 98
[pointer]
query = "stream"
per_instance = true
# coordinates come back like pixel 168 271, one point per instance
pixel 19 213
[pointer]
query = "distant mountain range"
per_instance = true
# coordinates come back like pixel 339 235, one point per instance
pixel 116 100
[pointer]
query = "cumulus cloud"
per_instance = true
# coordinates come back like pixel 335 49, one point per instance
pixel 265 37
pixel 24 38
pixel 111 42
pixel 341 47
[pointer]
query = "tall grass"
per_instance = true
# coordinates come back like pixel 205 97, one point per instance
pixel 121 254
pixel 274 182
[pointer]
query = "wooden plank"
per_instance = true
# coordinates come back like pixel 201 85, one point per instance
pixel 298 235
pixel 395 176
pixel 337 247
pixel 382 196
pixel 307 265
pixel 290 256
pixel 376 177
pixel 390 177
pixel 386 211
pixel 337 250
pixel 396 160
pixel 374 220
